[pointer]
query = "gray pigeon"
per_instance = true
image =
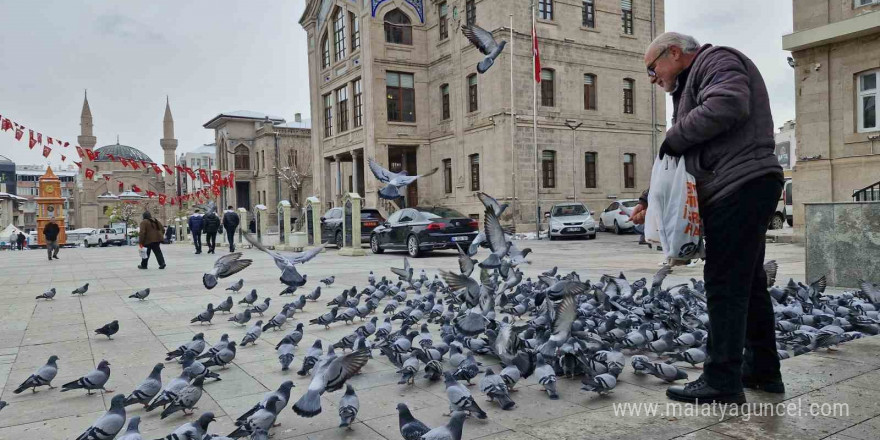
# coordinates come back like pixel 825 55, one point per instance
pixel 108 330
pixel 227 265
pixel 669 373
pixel 141 294
pixel 260 308
pixel 80 290
pixel 410 427
pixel 511 375
pixel 285 355
pixel 330 374
pixel 460 399
pixel 241 318
pixel 205 316
pixel 196 345
pixel 148 389
pixel 279 319
pixel 224 341
pixel 253 333
pixel 192 430
pixel 495 387
pixel 395 182
pixel 601 383
pixel 450 431
pixel 197 368
pixel 236 286
pixel 187 398
pixel 260 421
pixel 311 359
pixel 169 393
pixel 133 431
pixel 282 394
pixel 329 280
pixel 42 377
pixel 348 407
pixel 250 298
pixel 224 306
pixel 49 294
pixel 546 377
pixel 3 404
pixel 223 357
pixel 109 424
pixel 315 294
pixel 95 380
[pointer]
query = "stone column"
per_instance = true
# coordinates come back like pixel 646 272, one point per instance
pixel 284 225
pixel 337 196
pixel 351 226
pixel 355 172
pixel 262 222
pixel 326 185
pixel 242 224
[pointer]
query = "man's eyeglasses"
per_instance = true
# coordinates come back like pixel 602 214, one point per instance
pixel 651 71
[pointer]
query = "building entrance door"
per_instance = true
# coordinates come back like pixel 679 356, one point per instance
pixel 404 158
pixel 243 195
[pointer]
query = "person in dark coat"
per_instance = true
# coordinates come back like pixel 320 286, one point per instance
pixel 723 130
pixel 150 237
pixel 211 223
pixel 50 233
pixel 169 234
pixel 20 241
pixel 196 222
pixel 230 224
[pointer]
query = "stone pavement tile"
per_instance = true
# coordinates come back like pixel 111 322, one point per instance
pixel 11 339
pixel 704 434
pixel 269 373
pixel 532 406
pixel 389 426
pixel 867 430
pixel 50 405
pixel 67 333
pixel 802 374
pixel 781 427
pixel 56 427
pixel 842 402
pixel 508 435
pixel 382 400
pixel 235 383
pixel 358 431
pixel 861 350
pixel 869 380
pixel 570 391
pixel 32 356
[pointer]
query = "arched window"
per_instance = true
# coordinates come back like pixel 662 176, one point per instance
pixel 339 34
pixel 242 158
pixel 398 27
pixel 325 52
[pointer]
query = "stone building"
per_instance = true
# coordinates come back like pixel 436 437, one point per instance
pixel 263 151
pixel 28 186
pixel 837 81
pixel 203 157
pixel 396 80
pixel 97 196
pixel 786 146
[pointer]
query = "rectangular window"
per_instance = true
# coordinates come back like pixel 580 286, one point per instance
pixel 470 8
pixel 590 170
pixel 473 105
pixel 589 92
pixel 869 93
pixel 545 9
pixel 475 171
pixel 548 169
pixel 325 52
pixel 628 86
pixel 860 3
pixel 358 103
pixel 328 115
pixel 589 14
pixel 626 8
pixel 629 170
pixel 355 31
pixel 342 109
pixel 547 88
pixel 444 100
pixel 447 176
pixel 444 29
pixel 401 97
pixel 339 34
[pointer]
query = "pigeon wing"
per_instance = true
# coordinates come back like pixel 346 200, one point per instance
pixel 480 38
pixel 771 268
pixel 382 174
pixel 494 232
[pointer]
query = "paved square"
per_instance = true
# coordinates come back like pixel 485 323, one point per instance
pixel 32 330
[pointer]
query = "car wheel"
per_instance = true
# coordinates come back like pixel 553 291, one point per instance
pixel 412 246
pixel 374 245
pixel 777 222
pixel 601 225
pixel 593 237
pixel 86 244
pixel 100 243
pixel 339 239
pixel 790 222
pixel 617 230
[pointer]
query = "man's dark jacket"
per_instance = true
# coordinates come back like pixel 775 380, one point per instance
pixel 50 231
pixel 230 220
pixel 211 223
pixel 195 223
pixel 722 124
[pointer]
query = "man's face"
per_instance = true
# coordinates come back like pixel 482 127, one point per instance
pixel 666 65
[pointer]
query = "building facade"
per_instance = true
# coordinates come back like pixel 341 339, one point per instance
pixel 786 146
pixel 201 157
pixel 837 80
pixel 396 81
pixel 28 187
pixel 270 157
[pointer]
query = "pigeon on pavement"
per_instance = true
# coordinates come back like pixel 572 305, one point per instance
pixel 330 374
pixel 196 430
pixel 259 422
pixel 109 424
pixel 348 407
pixel 395 182
pixel 410 427
pixel 225 306
pixel 187 398
pixel 241 318
pixel 42 377
pixel 460 399
pixel 141 294
pixel 260 308
pixel 282 394
pixel 133 431
pixel 227 265
pixel 495 387
pixel 250 298
pixel 196 345
pixel 108 330
pixel 81 290
pixel 546 377
pixel 236 286
pixel 49 294
pixel 285 352
pixel 169 393
pixel 253 333
pixel 95 380
pixel 148 389
pixel 450 431
pixel 329 280
pixel 205 316
pixel 224 340
pixel 312 355
pixel 223 357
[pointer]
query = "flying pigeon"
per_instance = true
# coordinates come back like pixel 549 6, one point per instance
pixel 141 294
pixel 410 427
pixel 109 424
pixel 330 374
pixel 95 380
pixel 287 262
pixel 227 265
pixel 148 389
pixel 108 330
pixel 80 290
pixel 395 182
pixel 485 42
pixel 49 294
pixel 348 407
pixel 42 377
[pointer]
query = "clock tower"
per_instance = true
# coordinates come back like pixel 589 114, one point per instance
pixel 50 206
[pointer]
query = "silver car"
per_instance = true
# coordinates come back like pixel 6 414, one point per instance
pixel 571 220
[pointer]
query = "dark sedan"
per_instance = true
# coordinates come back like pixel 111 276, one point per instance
pixel 331 225
pixel 423 229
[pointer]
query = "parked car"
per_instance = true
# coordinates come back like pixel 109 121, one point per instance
pixel 783 212
pixel 422 229
pixel 616 219
pixel 571 220
pixel 77 236
pixel 104 237
pixel 331 225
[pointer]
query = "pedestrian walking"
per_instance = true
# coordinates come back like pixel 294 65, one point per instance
pixel 50 233
pixel 169 234
pixel 151 238
pixel 20 241
pixel 723 130
pixel 195 228
pixel 211 223
pixel 230 224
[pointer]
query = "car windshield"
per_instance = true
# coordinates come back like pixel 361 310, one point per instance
pixel 564 210
pixel 630 203
pixel 439 212
pixel 371 214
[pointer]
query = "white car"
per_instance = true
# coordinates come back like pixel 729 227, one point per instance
pixel 784 211
pixel 571 220
pixel 104 237
pixel 616 216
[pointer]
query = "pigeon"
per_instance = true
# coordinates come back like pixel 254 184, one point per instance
pixel 95 380
pixel 260 308
pixel 49 294
pixel 260 421
pixel 225 306
pixel 227 265
pixel 289 290
pixel 224 340
pixel 286 262
pixel 315 294
pixel 80 290
pixel 329 280
pixel 348 407
pixel 692 356
pixel 460 398
pixel 223 357
pixel 187 398
pixel 197 368
pixel 42 377
pixel 241 318
pixel 250 298
pixel 278 320
pixel 108 330
pixel 236 286
pixel 196 345
pixel 192 430
pixel 330 374
pixel 169 393
pixel 669 373
pixel 148 389
pixel 467 369
pixel 511 375
pixel 325 319
pixel 485 42
pixel 601 383
pixel 133 431
pixel 410 427
pixel 312 355
pixel 253 333
pixel 205 316
pixel 109 424
pixel 546 377
pixel 495 387
pixel 404 274
pixel 450 431
pixel 408 371
pixel 395 182
pixel 294 337
pixel 282 394
pixel 3 404
pixel 141 294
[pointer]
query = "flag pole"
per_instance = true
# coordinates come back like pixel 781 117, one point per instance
pixel 535 121
pixel 513 160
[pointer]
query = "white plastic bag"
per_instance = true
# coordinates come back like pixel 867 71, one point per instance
pixel 674 211
pixel 143 252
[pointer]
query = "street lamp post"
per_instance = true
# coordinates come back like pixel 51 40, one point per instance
pixel 573 125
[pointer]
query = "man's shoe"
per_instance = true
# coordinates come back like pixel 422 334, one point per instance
pixel 699 391
pixel 162 267
pixel 771 386
pixel 55 257
pixel 141 267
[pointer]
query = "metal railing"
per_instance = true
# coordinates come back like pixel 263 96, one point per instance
pixel 869 193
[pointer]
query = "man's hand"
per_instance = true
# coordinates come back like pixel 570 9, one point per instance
pixel 638 214
pixel 666 149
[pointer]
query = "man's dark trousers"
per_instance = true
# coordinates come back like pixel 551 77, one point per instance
pixel 230 237
pixel 740 311
pixel 197 241
pixel 211 240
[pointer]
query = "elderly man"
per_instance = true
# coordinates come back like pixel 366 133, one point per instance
pixel 723 130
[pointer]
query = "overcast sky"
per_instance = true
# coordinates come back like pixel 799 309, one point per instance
pixel 227 55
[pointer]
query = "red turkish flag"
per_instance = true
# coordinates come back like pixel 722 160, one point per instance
pixel 535 53
pixel 40 138
pixel 90 173
pixel 91 154
pixel 143 164
pixel 215 176
pixel 168 170
pixel 5 124
pixel 215 190
pixel 79 165
pixel 135 188
pixel 134 164
pixel 46 149
pixel 203 175
pixel 18 134
pixel 172 200
pixel 63 158
pixel 32 142
pixel 231 179
pixel 112 157
pixel 162 199
pixel 156 168
pixel 106 177
pixel 151 194
pixel 121 186
pixel 50 141
pixel 189 171
pixel 79 151
pixel 66 144
pixel 124 162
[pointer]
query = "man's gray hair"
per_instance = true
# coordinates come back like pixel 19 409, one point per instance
pixel 686 43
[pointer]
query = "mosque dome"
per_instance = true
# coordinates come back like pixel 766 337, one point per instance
pixel 119 152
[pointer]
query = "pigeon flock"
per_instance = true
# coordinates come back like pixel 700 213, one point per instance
pixel 434 329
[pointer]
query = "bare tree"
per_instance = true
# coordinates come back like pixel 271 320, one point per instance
pixel 295 173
